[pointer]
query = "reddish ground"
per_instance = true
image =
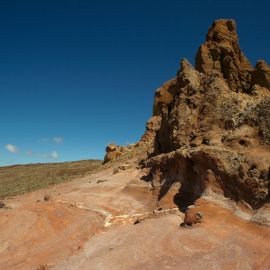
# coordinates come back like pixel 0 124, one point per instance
pixel 88 224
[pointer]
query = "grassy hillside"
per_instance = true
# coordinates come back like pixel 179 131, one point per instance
pixel 20 179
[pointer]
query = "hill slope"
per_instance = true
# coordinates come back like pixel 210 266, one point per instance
pixel 20 179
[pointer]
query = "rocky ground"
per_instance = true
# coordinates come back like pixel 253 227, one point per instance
pixel 109 220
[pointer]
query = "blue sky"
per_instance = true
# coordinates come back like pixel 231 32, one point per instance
pixel 76 75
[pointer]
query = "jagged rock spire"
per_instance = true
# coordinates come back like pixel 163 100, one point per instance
pixel 221 55
pixel 213 118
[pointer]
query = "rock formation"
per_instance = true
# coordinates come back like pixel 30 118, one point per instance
pixel 210 129
pixel 214 131
pixel 221 55
pixel 139 149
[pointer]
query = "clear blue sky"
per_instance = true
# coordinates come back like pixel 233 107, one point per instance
pixel 76 75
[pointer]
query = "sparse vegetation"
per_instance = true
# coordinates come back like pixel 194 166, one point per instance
pixel 263 112
pixel 257 115
pixel 20 179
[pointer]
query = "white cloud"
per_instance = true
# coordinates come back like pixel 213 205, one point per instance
pixel 54 155
pixel 12 148
pixel 58 140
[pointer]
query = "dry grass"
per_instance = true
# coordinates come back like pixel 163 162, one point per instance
pixel 21 179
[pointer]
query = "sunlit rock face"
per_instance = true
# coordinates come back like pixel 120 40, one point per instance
pixel 214 123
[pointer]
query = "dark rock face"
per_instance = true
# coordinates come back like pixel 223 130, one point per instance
pixel 214 128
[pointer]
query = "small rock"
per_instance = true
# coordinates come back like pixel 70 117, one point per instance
pixel 2 205
pixel 136 222
pixel 101 181
pixel 192 218
pixel 47 198
pixel 120 168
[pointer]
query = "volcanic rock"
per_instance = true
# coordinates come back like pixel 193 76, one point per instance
pixel 221 55
pixel 214 130
pixel 139 149
pixel 261 74
pixel 210 129
pixel 192 217
pixel 112 152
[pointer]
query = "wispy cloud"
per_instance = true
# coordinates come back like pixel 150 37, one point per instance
pixel 12 148
pixel 58 140
pixel 42 155
pixel 54 155
pixel 55 140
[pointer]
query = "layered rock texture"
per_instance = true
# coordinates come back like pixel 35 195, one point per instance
pixel 210 129
pixel 215 124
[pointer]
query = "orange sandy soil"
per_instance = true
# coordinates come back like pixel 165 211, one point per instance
pixel 88 224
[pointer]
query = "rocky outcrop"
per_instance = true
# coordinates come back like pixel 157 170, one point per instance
pixel 112 152
pixel 210 129
pixel 261 74
pixel 215 128
pixel 221 55
pixel 137 150
pixel 164 96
